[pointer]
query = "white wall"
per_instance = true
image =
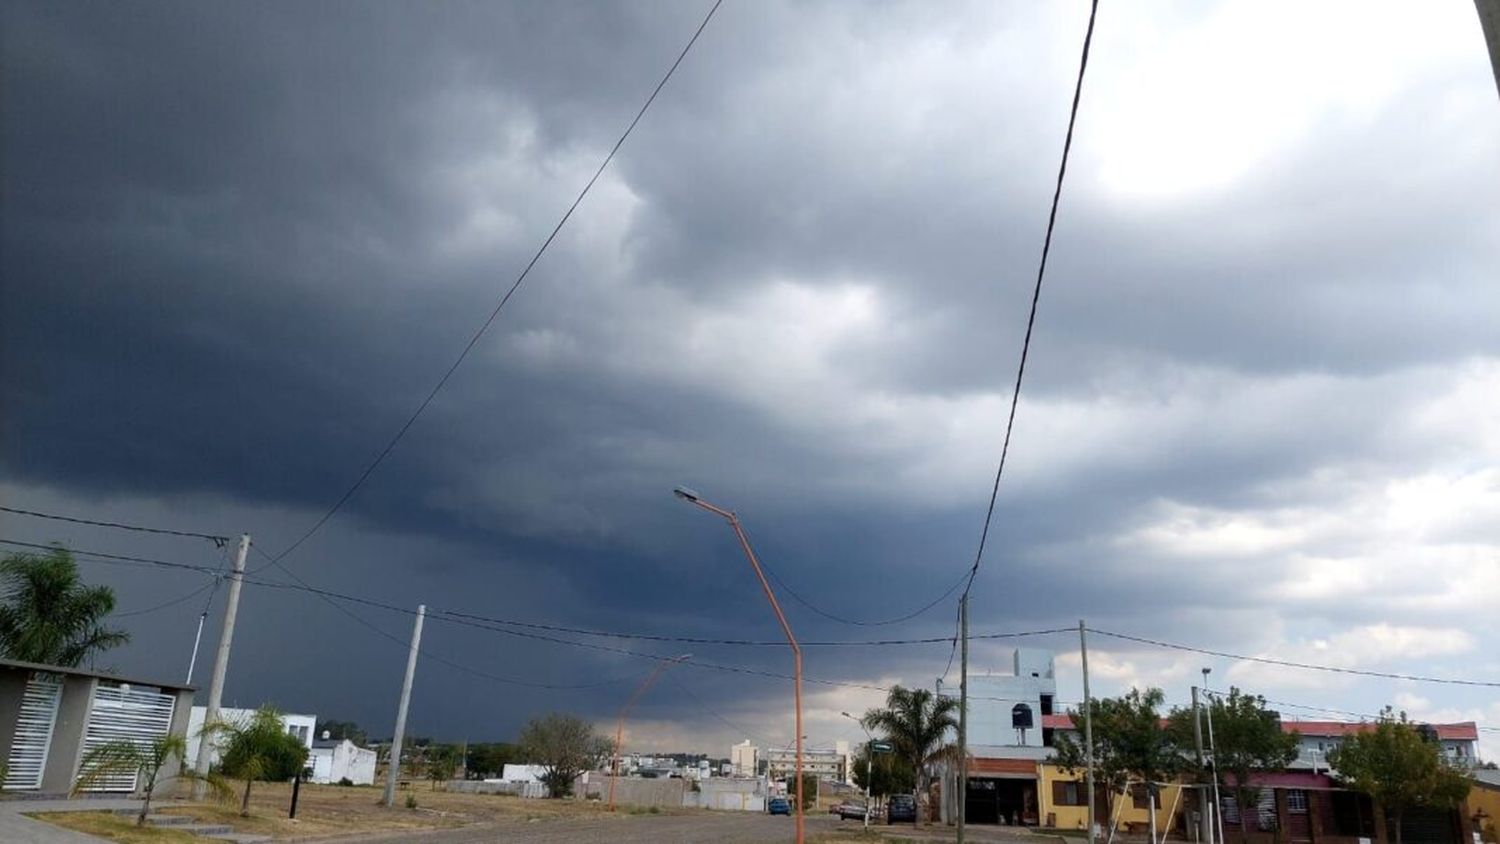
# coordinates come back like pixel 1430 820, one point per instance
pixel 300 725
pixel 343 760
pixel 993 696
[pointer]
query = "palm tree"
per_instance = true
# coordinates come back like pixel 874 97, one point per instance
pixel 259 749
pixel 916 723
pixel 122 756
pixel 48 615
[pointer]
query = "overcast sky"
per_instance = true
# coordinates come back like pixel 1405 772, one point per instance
pixel 1262 415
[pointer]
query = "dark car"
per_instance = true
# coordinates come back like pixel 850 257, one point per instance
pixel 779 806
pixel 847 811
pixel 901 807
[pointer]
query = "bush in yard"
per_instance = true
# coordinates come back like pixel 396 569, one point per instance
pixel 564 746
pixel 258 750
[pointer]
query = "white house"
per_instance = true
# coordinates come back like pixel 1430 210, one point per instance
pixel 335 761
pixel 522 773
pixel 301 726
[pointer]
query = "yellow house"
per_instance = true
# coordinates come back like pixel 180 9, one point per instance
pixel 1064 803
pixel 1484 804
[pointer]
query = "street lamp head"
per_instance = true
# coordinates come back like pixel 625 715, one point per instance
pixel 685 494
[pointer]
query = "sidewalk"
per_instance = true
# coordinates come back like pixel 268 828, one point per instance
pixel 15 826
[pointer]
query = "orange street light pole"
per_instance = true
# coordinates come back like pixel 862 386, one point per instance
pixel 661 666
pixel 734 522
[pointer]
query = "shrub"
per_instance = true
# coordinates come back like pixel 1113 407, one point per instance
pixel 345 781
pixel 411 801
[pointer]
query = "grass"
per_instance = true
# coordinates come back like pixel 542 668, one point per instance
pixel 324 810
pixel 328 810
pixel 112 827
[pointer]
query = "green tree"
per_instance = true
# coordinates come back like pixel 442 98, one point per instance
pixel 564 746
pixel 259 749
pixel 442 763
pixel 143 760
pixel 1247 738
pixel 1399 767
pixel 1129 744
pixel 490 759
pixel 885 778
pixel 916 723
pixel 48 615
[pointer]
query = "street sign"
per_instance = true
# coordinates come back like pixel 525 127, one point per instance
pixel 881 747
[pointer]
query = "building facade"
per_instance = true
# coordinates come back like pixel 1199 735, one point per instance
pixel 834 764
pixel 744 759
pixel 335 761
pixel 52 716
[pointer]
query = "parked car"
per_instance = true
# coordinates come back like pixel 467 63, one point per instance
pixel 850 810
pixel 901 807
pixel 779 806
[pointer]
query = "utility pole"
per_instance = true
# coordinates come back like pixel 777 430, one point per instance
pixel 1206 819
pixel 963 714
pixel 1489 21
pixel 393 770
pixel 207 739
pixel 1213 754
pixel 1088 724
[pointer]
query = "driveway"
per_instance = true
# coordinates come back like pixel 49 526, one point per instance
pixel 715 827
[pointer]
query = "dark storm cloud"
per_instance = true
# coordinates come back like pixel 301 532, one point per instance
pixel 240 242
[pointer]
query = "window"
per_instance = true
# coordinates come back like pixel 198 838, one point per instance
pixel 1265 810
pixel 1046 704
pixel 1229 810
pixel 1068 794
pixel 1139 797
pixel 1296 801
pixel 1020 717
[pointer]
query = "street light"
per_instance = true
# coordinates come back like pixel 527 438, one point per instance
pixel 693 498
pixel 661 666
pixel 869 764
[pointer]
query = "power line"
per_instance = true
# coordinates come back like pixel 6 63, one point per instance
pixel 1036 293
pixel 220 540
pixel 1452 681
pixel 854 621
pixel 118 558
pixel 172 603
pixel 1363 716
pixel 425 654
pixel 484 327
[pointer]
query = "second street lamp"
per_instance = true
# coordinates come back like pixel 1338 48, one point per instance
pixel 734 523
pixel 869 764
pixel 661 666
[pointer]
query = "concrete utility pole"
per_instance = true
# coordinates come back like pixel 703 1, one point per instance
pixel 1213 754
pixel 1206 819
pixel 1088 724
pixel 207 741
pixel 1489 21
pixel 963 714
pixel 393 770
